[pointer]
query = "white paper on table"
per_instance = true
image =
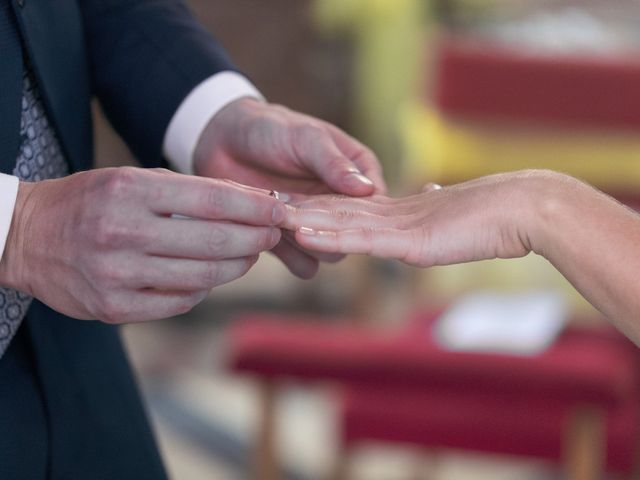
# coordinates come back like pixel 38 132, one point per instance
pixel 512 323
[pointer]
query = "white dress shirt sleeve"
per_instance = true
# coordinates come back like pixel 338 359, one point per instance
pixel 8 195
pixel 195 112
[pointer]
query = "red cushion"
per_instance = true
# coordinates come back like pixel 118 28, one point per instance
pixel 477 77
pixel 582 366
pixel 515 425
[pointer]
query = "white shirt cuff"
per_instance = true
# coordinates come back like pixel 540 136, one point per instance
pixel 8 194
pixel 195 112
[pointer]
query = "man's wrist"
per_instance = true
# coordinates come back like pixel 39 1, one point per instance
pixel 196 112
pixel 223 130
pixel 13 270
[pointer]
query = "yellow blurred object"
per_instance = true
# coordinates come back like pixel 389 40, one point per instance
pixel 446 284
pixel 445 150
pixel 388 38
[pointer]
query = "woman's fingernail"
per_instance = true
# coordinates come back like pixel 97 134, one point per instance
pixel 307 231
pixel 354 178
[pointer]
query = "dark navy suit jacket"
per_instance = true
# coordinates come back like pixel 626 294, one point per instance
pixel 69 407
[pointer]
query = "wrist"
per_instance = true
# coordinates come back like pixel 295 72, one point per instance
pixel 223 130
pixel 13 268
pixel 549 199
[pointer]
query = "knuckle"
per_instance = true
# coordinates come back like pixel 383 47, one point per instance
pixel 212 275
pixel 216 202
pixel 336 163
pixel 217 242
pixel 120 181
pixel 342 217
pixel 108 233
pixel 306 134
pixel 368 233
pixel 264 239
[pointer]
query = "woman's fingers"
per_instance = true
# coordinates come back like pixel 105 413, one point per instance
pixel 207 240
pixel 379 242
pixel 343 208
pixel 336 218
pixel 323 201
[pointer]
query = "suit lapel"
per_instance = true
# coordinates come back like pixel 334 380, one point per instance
pixel 53 36
pixel 11 88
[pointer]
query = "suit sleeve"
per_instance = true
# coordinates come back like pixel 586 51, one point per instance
pixel 145 57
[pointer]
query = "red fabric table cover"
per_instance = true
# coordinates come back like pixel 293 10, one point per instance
pixel 482 78
pixel 593 366
pixel 480 422
pixel 403 387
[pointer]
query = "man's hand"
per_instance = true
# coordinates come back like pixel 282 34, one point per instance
pixel 272 147
pixel 106 244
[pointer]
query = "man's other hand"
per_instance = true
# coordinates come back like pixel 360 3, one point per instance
pixel 272 147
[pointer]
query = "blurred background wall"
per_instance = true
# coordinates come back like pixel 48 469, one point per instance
pixel 275 43
pixel 437 89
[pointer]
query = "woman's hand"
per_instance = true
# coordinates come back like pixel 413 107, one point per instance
pixel 491 217
pixel 593 240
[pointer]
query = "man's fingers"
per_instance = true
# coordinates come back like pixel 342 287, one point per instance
pixel 299 263
pixel 379 242
pixel 208 240
pixel 145 305
pixel 317 151
pixel 215 200
pixel 362 157
pixel 370 168
pixel 189 275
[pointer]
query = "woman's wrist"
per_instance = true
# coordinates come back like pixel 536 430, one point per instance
pixel 550 197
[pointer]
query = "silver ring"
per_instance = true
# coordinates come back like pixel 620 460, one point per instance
pixel 275 194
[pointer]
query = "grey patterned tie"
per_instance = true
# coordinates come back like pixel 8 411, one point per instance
pixel 40 158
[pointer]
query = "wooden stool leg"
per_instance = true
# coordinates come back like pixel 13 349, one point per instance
pixel 341 467
pixel 585 444
pixel 266 461
pixel 427 467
